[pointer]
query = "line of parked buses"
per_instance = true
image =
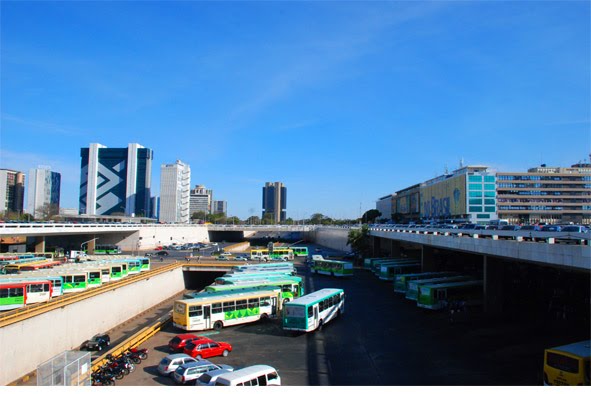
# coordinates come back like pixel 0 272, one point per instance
pixel 28 279
pixel 563 365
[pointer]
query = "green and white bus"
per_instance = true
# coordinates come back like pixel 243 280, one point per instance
pixel 390 270
pixel 438 296
pixel 291 287
pixel 401 280
pixel 284 254
pixel 377 265
pixel 313 310
pixel 412 292
pixel 107 249
pixel 301 251
pixel 332 267
pixel 231 278
pixel 369 262
pixel 265 267
pixel 73 281
pixel 217 310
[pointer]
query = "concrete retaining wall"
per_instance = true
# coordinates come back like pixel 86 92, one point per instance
pixel 25 345
pixel 150 237
pixel 334 238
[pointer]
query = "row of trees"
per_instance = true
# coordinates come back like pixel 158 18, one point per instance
pixel 317 218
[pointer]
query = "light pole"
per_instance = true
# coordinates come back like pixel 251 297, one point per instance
pixel 84 243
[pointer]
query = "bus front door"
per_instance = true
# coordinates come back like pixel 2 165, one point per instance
pixel 207 315
pixel 315 316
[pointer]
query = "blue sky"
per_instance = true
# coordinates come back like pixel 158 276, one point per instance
pixel 343 102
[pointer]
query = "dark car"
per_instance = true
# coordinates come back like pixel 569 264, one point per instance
pixel 531 227
pixel 178 343
pixel 574 229
pixel 158 253
pixel 97 342
pixel 510 227
pixel 552 227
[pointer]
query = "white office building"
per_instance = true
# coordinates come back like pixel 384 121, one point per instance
pixel 175 181
pixel 201 200
pixel 43 193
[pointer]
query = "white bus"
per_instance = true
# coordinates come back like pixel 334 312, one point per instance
pixel 312 311
pixel 217 310
pixel 283 267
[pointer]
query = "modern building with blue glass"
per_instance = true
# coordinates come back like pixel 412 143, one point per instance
pixel 115 181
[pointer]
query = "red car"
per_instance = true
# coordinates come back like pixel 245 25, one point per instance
pixel 205 348
pixel 178 343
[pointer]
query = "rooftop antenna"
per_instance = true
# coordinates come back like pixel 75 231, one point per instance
pixel 445 171
pixel 462 162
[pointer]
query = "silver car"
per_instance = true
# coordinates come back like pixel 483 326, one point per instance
pixel 209 378
pixel 171 362
pixel 189 372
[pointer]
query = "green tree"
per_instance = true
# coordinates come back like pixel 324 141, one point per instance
pixel 316 218
pixel 288 221
pixel 253 220
pixel 268 219
pixel 359 240
pixel 370 216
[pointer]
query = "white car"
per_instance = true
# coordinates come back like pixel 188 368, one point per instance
pixel 170 363
pixel 226 254
pixel 209 378
pixel 189 372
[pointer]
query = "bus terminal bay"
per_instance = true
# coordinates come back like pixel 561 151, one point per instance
pixel 382 338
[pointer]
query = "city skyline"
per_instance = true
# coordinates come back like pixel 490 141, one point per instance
pixel 343 102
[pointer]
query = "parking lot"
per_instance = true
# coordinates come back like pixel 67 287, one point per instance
pixel 381 339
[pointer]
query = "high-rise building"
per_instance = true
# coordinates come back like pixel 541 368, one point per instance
pixel 275 201
pixel 175 185
pixel 200 200
pixel 220 207
pixel 546 194
pixel 43 193
pixel 115 180
pixel 12 191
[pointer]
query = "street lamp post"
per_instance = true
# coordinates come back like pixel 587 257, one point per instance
pixel 84 243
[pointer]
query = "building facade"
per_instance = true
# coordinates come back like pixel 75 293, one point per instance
pixel 220 207
pixel 546 195
pixel 115 181
pixel 175 181
pixel 386 206
pixel 12 191
pixel 43 193
pixel 201 200
pixel 275 201
pixel 467 194
pixel 406 205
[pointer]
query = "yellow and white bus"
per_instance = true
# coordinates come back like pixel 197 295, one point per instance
pixel 217 310
pixel 568 365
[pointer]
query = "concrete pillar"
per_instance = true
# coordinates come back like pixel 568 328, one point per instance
pixel 40 244
pixel 492 285
pixel 428 262
pixel 394 248
pixel 90 246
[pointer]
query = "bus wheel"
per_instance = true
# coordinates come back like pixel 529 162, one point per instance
pixel 264 316
pixel 218 325
pixel 320 325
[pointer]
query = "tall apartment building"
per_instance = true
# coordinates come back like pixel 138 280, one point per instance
pixel 200 200
pixel 220 207
pixel 115 180
pixel 275 201
pixel 43 193
pixel 546 194
pixel 12 191
pixel 175 181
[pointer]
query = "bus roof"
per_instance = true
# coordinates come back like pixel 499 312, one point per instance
pixel 453 284
pixel 201 297
pixel 581 349
pixel 444 279
pixel 320 294
pixel 422 274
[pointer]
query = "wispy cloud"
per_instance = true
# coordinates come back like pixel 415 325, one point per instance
pixel 43 126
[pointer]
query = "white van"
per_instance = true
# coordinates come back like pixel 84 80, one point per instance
pixel 256 375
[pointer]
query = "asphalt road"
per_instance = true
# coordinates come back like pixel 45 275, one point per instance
pixel 382 339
